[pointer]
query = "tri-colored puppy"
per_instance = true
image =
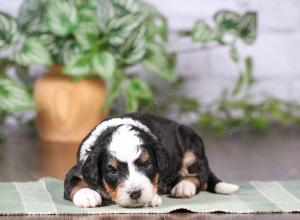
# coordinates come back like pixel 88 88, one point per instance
pixel 132 159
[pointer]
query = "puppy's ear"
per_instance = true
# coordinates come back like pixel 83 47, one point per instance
pixel 90 171
pixel 162 158
pixel 91 174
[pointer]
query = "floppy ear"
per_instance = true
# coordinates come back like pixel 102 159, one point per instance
pixel 90 171
pixel 162 158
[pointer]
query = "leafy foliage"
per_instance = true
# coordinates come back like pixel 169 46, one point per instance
pixel 238 108
pixel 96 37
pixel 9 32
pixel 13 96
pixel 106 38
pixel 33 50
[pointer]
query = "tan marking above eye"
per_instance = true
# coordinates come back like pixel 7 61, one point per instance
pixel 113 163
pixel 144 157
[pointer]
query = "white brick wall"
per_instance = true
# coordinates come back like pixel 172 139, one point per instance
pixel 276 52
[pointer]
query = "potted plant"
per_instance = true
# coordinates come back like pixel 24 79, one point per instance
pixel 14 97
pixel 88 46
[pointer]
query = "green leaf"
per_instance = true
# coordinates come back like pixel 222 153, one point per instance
pixel 33 51
pixel 249 70
pixel 140 89
pixel 162 27
pixel 87 34
pixel 69 50
pixel 188 104
pixel 13 96
pixel 247 27
pixel 103 64
pixel 239 84
pixel 158 61
pixel 227 21
pixel 212 123
pixel 134 49
pixel 121 28
pixel 105 12
pixel 9 32
pixel 31 16
pixel 62 17
pixel 87 31
pixel 51 43
pixel 132 104
pixel 201 32
pixel 78 67
pixel 234 54
pixel 259 123
pixel 114 90
pixel 136 90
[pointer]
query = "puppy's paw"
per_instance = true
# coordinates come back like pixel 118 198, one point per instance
pixel 183 189
pixel 87 198
pixel 156 201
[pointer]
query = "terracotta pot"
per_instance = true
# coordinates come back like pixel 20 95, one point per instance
pixel 67 110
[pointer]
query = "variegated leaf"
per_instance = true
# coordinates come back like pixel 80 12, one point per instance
pixel 69 50
pixel 78 67
pixel 119 29
pixel 61 16
pixel 201 32
pixel 31 16
pixel 105 12
pixel 87 34
pixel 132 102
pixel 33 51
pixel 13 96
pixel 103 64
pixel 159 62
pixel 134 49
pixel 140 89
pixel 9 32
pixel 51 43
pixel 227 20
pixel 247 27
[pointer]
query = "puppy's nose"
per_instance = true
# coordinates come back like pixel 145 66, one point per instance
pixel 135 194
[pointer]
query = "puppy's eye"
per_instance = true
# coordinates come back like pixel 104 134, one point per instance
pixel 111 170
pixel 146 164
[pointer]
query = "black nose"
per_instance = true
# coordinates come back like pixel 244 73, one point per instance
pixel 135 194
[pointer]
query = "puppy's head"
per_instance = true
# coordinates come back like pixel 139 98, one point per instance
pixel 127 167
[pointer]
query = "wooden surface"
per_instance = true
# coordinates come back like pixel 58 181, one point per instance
pixel 274 156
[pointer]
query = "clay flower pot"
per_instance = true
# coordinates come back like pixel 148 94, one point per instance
pixel 67 110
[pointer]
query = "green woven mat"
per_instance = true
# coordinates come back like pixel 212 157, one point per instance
pixel 46 197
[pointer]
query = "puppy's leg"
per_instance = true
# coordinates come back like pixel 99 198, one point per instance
pixel 185 188
pixel 156 201
pixel 78 191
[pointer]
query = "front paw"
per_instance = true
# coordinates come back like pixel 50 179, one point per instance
pixel 87 198
pixel 156 201
pixel 183 189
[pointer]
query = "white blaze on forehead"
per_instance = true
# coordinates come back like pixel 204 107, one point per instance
pixel 90 141
pixel 125 144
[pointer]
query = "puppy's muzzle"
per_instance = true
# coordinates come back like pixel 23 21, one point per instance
pixel 135 194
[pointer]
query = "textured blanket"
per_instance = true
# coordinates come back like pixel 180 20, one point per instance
pixel 46 197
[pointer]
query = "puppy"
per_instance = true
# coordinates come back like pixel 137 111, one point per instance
pixel 134 158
